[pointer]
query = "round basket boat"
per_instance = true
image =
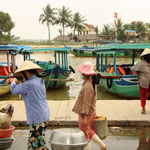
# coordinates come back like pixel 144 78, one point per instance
pixel 67 139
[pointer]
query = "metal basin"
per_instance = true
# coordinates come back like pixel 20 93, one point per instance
pixel 5 144
pixel 67 139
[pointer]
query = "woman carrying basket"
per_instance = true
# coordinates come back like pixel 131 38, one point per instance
pixel 34 96
pixel 85 105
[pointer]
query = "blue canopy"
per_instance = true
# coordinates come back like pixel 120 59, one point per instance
pixel 20 47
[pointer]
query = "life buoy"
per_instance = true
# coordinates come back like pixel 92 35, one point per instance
pixel 126 53
pixel 121 71
pixel 109 82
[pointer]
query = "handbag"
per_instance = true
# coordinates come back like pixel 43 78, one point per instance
pixel 100 126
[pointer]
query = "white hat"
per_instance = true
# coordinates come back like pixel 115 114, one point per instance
pixel 28 65
pixel 145 52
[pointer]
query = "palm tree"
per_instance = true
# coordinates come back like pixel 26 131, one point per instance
pixel 139 27
pixel 107 30
pixel 48 16
pixel 120 29
pixel 77 21
pixel 60 31
pixel 64 18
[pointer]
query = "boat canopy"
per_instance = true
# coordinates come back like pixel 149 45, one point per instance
pixel 6 47
pixel 46 50
pixel 122 47
pixel 60 54
pixel 20 47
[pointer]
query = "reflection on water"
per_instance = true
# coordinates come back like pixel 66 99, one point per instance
pixel 144 140
pixel 129 138
pixel 72 88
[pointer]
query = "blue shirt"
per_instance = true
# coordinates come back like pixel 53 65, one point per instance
pixel 33 93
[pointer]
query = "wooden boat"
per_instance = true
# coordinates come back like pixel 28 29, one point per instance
pixel 86 51
pixel 55 73
pixel 118 79
pixel 7 66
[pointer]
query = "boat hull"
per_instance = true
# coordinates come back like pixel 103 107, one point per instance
pixel 4 89
pixel 80 53
pixel 55 76
pixel 127 86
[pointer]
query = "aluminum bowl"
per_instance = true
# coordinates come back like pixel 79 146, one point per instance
pixel 67 139
pixel 5 144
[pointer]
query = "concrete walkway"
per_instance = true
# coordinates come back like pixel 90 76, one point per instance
pixel 118 112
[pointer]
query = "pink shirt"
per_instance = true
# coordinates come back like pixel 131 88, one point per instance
pixel 86 100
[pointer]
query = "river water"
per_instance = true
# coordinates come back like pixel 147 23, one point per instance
pixel 118 139
pixel 71 90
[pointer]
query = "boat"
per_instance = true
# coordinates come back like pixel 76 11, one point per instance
pixel 55 72
pixel 86 51
pixel 117 78
pixel 7 66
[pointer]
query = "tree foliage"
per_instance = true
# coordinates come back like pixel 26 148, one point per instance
pixel 48 17
pixel 64 18
pixel 6 25
pixel 77 22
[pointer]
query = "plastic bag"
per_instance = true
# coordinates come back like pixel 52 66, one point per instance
pixel 5 117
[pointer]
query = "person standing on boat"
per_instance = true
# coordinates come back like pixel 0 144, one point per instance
pixel 85 105
pixel 142 72
pixel 34 95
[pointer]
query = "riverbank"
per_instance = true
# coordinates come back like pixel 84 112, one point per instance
pixel 118 113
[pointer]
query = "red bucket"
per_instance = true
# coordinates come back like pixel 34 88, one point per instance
pixel 5 133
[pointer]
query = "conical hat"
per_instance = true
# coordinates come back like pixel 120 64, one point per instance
pixel 28 65
pixel 145 52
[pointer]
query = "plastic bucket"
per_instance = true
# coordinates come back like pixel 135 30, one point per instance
pixel 5 133
pixel 100 126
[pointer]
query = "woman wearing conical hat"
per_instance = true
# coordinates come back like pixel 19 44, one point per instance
pixel 33 93
pixel 142 72
pixel 85 105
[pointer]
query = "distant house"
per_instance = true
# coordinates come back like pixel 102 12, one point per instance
pixel 89 29
pixel 87 35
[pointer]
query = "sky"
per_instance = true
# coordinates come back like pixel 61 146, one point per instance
pixel 25 14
